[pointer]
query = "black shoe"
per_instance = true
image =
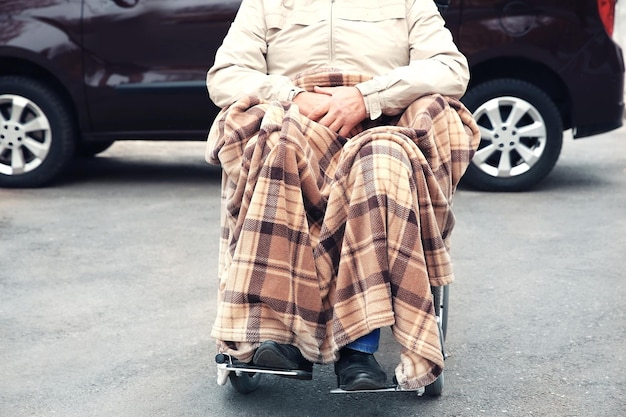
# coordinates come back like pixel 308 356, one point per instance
pixel 359 371
pixel 275 356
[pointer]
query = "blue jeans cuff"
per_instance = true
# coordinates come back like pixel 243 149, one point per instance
pixel 367 343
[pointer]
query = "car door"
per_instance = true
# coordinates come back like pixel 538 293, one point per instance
pixel 452 14
pixel 145 65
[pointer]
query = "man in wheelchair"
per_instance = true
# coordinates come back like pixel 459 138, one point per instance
pixel 341 141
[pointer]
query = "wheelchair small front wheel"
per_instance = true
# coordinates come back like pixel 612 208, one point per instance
pixel 435 388
pixel 245 382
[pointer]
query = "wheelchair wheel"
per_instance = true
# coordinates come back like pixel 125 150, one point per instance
pixel 441 296
pixel 444 310
pixel 245 382
pixel 436 388
pixel 440 300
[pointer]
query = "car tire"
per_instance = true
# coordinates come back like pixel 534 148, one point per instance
pixel 521 135
pixel 37 133
pixel 88 149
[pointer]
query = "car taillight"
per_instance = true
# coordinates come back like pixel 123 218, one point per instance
pixel 606 8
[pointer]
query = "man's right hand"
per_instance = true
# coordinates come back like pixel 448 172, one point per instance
pixel 338 108
pixel 312 105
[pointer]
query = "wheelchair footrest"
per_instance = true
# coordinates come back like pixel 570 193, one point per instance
pixel 228 363
pixel 392 388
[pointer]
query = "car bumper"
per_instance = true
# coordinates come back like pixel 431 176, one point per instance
pixel 599 94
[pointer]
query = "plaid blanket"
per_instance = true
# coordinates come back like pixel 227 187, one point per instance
pixel 325 238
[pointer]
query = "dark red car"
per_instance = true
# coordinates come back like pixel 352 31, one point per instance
pixel 76 75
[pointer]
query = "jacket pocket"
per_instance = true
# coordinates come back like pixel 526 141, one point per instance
pixel 301 13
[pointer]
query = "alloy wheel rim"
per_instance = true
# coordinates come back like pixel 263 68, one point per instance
pixel 25 135
pixel 513 137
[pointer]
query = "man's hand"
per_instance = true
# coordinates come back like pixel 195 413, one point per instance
pixel 338 108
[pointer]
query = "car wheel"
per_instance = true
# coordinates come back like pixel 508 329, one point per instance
pixel 521 135
pixel 88 149
pixel 37 136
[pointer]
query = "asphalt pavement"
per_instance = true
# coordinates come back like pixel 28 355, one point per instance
pixel 108 289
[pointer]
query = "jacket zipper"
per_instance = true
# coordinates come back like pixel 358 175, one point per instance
pixel 331 48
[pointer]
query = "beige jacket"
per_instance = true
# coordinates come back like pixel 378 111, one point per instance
pixel 403 44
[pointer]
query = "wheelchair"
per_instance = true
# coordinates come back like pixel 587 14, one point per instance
pixel 245 378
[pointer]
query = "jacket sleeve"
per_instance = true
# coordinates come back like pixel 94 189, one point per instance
pixel 436 66
pixel 242 57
